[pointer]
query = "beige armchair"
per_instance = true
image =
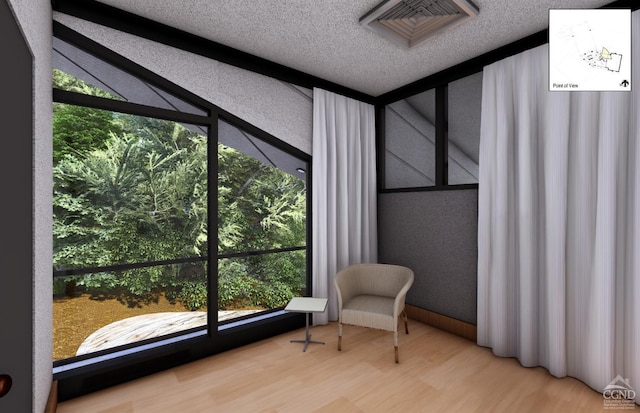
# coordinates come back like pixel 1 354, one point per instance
pixel 372 295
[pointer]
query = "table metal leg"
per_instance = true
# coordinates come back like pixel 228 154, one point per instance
pixel 307 338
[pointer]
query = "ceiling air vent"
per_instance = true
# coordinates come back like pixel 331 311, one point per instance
pixel 411 22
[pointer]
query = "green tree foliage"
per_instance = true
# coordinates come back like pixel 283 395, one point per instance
pixel 259 208
pixel 78 129
pixel 142 198
pixel 129 189
pixel 64 81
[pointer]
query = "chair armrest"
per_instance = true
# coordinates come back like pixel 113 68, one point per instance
pixel 344 290
pixel 398 304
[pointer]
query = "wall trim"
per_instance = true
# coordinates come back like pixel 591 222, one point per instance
pixel 52 401
pixel 442 322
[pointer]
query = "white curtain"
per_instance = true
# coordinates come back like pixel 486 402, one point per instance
pixel 343 191
pixel 559 222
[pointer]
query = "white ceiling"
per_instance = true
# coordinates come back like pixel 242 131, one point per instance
pixel 324 38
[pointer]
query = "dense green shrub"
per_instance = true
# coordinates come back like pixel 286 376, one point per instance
pixel 130 189
pixel 193 295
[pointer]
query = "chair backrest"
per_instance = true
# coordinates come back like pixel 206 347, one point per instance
pixel 384 280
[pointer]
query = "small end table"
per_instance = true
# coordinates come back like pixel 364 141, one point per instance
pixel 306 305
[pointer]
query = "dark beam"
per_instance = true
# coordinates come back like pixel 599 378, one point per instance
pixel 109 16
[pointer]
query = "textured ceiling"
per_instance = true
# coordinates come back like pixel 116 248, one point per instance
pixel 324 38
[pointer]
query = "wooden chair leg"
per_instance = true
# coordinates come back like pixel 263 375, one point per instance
pixel 395 345
pixel 406 326
pixel 339 337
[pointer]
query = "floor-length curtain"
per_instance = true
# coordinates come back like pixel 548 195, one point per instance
pixel 559 222
pixel 343 191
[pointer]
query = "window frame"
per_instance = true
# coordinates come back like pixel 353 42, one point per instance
pixel 441 135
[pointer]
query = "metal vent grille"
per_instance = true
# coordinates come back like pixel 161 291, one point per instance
pixel 411 22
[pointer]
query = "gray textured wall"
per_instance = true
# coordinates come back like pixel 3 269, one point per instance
pixel 15 216
pixel 435 234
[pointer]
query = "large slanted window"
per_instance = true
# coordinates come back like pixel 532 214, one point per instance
pixel 173 220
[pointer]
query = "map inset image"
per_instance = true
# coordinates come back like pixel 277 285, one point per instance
pixel 603 59
pixel 589 49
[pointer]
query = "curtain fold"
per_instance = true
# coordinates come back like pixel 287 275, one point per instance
pixel 344 193
pixel 559 223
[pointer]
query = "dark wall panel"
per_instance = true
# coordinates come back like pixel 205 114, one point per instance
pixel 16 277
pixel 435 234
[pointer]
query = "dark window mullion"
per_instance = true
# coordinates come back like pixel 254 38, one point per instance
pixel 381 147
pixel 124 267
pixel 212 222
pixel 96 102
pixel 256 253
pixel 442 157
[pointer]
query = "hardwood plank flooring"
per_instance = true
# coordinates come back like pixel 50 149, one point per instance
pixel 438 372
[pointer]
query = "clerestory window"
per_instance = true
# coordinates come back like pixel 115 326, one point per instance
pixel 431 139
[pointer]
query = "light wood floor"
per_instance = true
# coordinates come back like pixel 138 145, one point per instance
pixel 438 372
